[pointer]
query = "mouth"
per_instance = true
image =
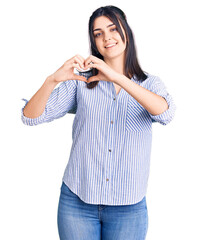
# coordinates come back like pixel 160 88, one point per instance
pixel 111 45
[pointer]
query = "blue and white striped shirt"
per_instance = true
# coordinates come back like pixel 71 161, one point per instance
pixel 112 136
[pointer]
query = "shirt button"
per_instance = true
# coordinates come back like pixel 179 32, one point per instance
pixel 111 122
pixel 107 179
pixel 114 99
pixel 110 150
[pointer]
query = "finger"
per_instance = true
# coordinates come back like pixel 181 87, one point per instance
pixel 74 59
pixel 73 63
pixel 93 79
pixel 81 78
pixel 81 58
pixel 88 62
pixel 76 65
pixel 90 59
pixel 79 61
pixel 92 65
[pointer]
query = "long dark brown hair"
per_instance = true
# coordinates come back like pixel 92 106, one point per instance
pixel 115 14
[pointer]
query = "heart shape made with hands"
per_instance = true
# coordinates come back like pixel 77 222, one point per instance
pixel 87 68
pixel 105 72
pixel 81 71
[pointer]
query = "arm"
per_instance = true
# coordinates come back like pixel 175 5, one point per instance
pixel 152 102
pixel 61 101
pixel 152 95
pixel 48 104
pixel 35 107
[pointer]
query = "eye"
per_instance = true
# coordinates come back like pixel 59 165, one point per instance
pixel 97 35
pixel 114 29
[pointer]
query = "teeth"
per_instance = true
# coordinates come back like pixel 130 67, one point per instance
pixel 110 45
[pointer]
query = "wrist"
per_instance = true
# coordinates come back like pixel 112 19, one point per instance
pixel 50 80
pixel 118 78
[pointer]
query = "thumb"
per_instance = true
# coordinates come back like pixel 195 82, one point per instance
pixel 93 79
pixel 81 78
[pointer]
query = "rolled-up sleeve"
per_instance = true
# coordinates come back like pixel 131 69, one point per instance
pixel 61 101
pixel 157 86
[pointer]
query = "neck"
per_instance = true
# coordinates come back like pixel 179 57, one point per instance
pixel 117 65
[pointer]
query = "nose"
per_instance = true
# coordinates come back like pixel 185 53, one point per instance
pixel 107 36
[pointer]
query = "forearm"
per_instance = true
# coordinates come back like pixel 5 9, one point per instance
pixel 152 102
pixel 36 105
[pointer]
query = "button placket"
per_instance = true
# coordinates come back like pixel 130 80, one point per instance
pixel 111 137
pixel 110 134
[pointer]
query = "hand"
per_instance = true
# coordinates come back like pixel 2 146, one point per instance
pixel 105 72
pixel 66 71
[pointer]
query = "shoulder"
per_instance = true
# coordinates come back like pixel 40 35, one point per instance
pixel 150 81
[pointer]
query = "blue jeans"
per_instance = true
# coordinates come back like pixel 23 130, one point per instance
pixel 78 220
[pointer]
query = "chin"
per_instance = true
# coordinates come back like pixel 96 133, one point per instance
pixel 113 56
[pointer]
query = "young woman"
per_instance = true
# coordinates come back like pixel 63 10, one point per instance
pixel 103 191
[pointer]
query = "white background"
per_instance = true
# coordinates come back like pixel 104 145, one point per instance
pixel 37 37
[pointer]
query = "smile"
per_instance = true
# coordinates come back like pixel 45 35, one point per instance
pixel 111 45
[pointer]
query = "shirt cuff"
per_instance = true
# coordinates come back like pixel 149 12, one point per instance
pixel 167 116
pixel 31 121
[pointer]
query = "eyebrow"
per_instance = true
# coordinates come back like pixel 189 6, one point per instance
pixel 97 29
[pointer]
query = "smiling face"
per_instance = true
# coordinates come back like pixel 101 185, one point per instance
pixel 108 40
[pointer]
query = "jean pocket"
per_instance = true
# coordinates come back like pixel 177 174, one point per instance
pixel 137 118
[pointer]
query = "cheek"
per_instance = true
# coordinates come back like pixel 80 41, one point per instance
pixel 123 44
pixel 98 43
pixel 100 47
